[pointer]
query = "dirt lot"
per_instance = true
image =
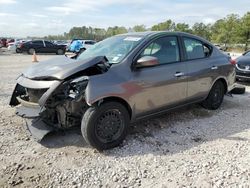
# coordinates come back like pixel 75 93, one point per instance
pixel 191 147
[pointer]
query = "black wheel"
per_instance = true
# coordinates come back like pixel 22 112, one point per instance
pixel 105 126
pixel 31 51
pixel 215 97
pixel 60 52
pixel 18 50
pixel 239 90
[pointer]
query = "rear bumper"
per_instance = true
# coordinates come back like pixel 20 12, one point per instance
pixel 230 88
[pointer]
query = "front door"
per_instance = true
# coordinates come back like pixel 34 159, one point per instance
pixel 164 85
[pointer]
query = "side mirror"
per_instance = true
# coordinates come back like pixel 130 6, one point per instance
pixel 147 61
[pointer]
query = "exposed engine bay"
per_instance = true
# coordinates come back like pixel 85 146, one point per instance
pixel 59 103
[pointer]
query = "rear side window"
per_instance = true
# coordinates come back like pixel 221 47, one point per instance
pixel 47 43
pixel 37 42
pixel 166 49
pixel 89 42
pixel 196 49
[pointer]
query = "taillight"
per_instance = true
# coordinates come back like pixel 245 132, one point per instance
pixel 233 61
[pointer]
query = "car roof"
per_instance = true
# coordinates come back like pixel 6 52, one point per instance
pixel 149 34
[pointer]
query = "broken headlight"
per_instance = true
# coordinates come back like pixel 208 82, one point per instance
pixel 78 86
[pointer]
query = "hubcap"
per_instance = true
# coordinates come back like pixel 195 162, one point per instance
pixel 31 51
pixel 110 126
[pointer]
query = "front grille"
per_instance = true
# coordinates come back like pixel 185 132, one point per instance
pixel 33 95
pixel 243 74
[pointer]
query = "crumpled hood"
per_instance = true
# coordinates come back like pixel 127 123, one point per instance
pixel 61 67
pixel 243 60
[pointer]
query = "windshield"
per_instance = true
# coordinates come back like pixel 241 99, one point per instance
pixel 247 54
pixel 114 48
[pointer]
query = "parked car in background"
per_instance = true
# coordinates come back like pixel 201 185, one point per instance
pixel 3 42
pixel 12 46
pixel 62 42
pixel 120 80
pixel 222 49
pixel 9 41
pixel 80 45
pixel 243 67
pixel 41 46
pixel 218 46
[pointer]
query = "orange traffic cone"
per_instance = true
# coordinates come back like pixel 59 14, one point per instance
pixel 34 58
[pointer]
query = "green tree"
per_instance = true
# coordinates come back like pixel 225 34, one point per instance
pixel 139 28
pixel 182 27
pixel 244 33
pixel 168 25
pixel 226 30
pixel 202 30
pixel 115 31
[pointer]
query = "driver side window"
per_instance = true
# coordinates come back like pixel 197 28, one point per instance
pixel 165 49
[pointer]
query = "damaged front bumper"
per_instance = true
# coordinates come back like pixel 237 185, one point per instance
pixel 29 97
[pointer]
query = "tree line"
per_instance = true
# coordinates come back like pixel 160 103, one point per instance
pixel 232 29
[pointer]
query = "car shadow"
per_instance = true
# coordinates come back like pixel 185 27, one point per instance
pixel 63 138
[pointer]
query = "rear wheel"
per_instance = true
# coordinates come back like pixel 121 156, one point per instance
pixel 215 97
pixel 60 52
pixel 104 127
pixel 31 51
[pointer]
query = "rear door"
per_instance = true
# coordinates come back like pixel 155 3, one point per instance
pixel 164 85
pixel 50 47
pixel 202 69
pixel 37 45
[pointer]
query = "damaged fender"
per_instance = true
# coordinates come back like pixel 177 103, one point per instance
pixel 44 98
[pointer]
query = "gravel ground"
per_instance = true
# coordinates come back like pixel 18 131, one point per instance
pixel 191 147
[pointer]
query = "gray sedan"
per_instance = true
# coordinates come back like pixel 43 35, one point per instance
pixel 120 80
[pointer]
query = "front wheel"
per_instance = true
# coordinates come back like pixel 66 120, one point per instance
pixel 18 50
pixel 60 52
pixel 105 126
pixel 215 97
pixel 31 51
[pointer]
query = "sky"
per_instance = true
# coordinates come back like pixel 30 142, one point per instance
pixel 21 18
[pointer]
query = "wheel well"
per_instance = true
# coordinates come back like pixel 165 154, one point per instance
pixel 224 83
pixel 120 100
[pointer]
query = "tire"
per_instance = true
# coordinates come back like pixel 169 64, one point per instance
pixel 18 50
pixel 215 96
pixel 60 52
pixel 31 51
pixel 239 90
pixel 96 125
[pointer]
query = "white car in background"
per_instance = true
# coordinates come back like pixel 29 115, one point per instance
pixel 12 46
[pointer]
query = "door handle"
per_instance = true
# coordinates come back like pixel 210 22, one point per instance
pixel 179 74
pixel 214 67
